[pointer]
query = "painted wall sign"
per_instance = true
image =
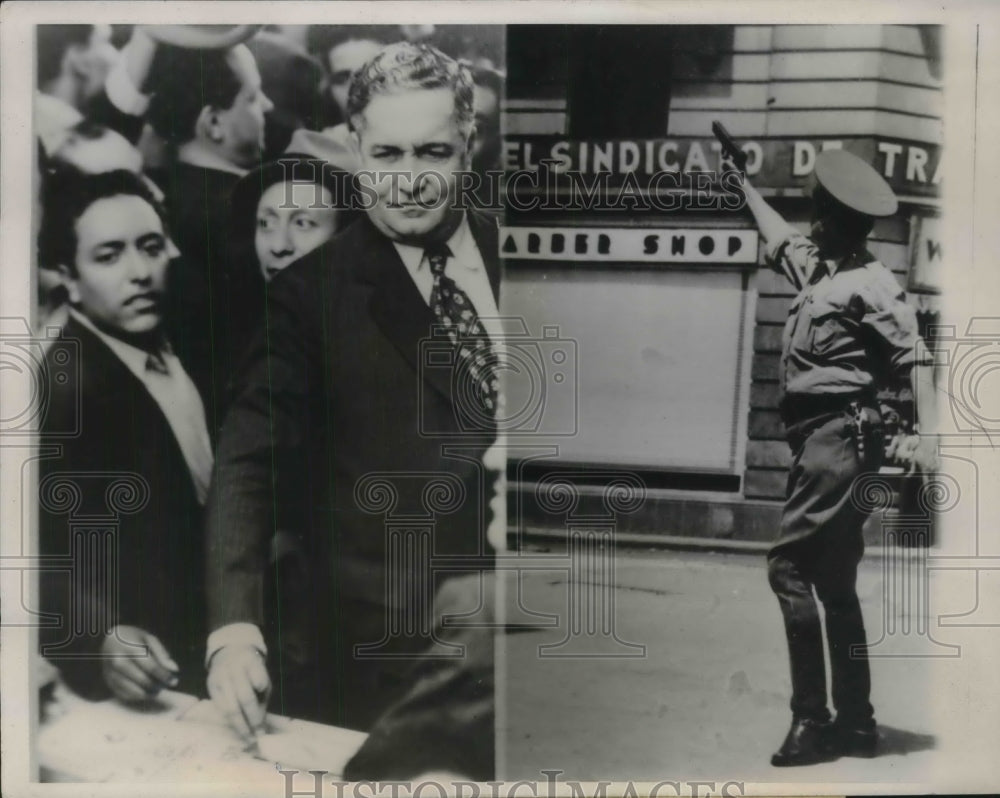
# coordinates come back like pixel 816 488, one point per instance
pixel 911 169
pixel 630 244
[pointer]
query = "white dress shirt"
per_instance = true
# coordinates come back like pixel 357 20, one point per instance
pixel 172 389
pixel 465 267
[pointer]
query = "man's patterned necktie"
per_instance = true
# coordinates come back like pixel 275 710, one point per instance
pixel 476 365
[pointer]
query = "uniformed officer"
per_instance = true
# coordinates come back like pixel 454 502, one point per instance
pixel 848 331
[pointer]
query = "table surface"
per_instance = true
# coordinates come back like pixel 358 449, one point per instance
pixel 177 739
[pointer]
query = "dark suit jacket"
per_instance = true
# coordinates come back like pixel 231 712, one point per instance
pixel 332 393
pixel 215 293
pixel 160 547
pixel 444 722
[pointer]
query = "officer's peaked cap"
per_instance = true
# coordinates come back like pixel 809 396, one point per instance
pixel 854 183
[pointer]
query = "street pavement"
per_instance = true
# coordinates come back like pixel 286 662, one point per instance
pixel 709 699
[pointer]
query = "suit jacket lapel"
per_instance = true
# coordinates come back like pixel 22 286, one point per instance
pixel 109 376
pixel 396 305
pixel 115 387
pixel 398 308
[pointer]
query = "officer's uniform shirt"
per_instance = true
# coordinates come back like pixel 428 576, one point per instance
pixel 849 326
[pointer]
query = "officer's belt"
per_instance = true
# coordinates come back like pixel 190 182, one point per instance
pixel 798 407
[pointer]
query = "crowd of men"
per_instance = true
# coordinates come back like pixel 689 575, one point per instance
pixel 183 170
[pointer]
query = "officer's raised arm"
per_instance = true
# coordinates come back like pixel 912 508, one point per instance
pixel 772 225
pixel 777 233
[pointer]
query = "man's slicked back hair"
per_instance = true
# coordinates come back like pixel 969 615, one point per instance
pixel 66 195
pixel 184 82
pixel 406 66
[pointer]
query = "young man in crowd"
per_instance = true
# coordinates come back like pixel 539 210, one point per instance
pixel 217 135
pixel 291 79
pixel 136 624
pixel 214 135
pixel 343 50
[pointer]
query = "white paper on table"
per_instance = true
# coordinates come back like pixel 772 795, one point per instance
pixel 182 739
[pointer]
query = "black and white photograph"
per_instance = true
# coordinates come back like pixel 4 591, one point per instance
pixel 504 399
pixel 752 360
pixel 268 503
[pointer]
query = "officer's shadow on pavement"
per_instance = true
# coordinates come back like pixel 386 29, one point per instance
pixel 901 742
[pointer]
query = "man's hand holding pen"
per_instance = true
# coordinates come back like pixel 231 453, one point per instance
pixel 134 678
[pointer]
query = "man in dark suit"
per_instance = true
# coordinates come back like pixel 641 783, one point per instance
pixel 140 462
pixel 209 106
pixel 341 423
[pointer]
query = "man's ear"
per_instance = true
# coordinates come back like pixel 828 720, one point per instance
pixel 69 283
pixel 209 125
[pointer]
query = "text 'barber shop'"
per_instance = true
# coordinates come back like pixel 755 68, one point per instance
pixel 673 245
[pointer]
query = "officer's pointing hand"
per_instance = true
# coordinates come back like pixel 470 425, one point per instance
pixel 919 452
pixel 727 164
pixel 924 456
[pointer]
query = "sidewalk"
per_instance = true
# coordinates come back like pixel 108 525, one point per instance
pixel 709 698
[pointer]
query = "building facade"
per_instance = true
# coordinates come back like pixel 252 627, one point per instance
pixel 626 255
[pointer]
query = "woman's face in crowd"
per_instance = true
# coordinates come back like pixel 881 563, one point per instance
pixel 292 220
